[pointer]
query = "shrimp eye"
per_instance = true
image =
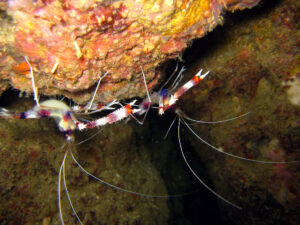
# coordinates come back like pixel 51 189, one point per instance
pixel 163 93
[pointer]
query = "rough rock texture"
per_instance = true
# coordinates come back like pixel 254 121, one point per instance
pixel 71 43
pixel 254 64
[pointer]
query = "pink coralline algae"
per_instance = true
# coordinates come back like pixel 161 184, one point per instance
pixel 71 43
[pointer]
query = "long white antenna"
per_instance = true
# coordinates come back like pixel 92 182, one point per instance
pixel 58 189
pixel 34 88
pixel 198 178
pixel 98 84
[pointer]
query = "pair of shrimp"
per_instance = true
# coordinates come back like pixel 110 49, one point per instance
pixel 67 122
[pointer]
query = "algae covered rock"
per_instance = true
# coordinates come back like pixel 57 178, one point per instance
pixel 254 68
pixel 71 43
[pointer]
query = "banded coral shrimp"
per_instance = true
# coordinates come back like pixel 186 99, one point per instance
pixel 40 155
pixel 42 204
pixel 164 101
pixel 67 123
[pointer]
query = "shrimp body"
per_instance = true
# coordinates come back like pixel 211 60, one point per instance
pixel 61 113
pixel 166 101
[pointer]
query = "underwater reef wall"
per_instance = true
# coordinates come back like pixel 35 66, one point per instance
pixel 71 43
pixel 254 66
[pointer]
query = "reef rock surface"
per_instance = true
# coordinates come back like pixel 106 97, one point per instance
pixel 71 43
pixel 254 68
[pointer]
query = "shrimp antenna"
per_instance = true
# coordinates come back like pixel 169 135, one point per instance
pixel 122 189
pixel 146 104
pixel 59 189
pixel 170 77
pixel 232 155
pixel 177 79
pixel 89 138
pixel 34 88
pixel 145 82
pixel 68 196
pixel 214 122
pixel 198 178
pixel 98 84
pixel 170 127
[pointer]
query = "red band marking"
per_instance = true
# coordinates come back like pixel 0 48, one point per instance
pixel 44 113
pixel 128 109
pixel 196 79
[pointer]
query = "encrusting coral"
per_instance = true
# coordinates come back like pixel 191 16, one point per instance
pixel 71 43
